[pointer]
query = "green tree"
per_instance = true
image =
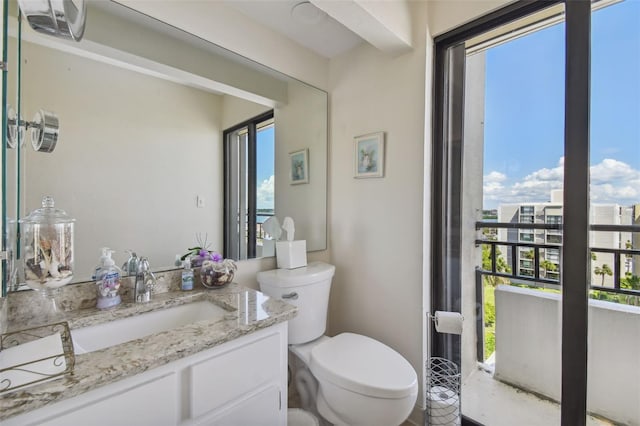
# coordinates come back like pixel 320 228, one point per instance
pixel 548 266
pixel 501 265
pixel 603 270
pixel 630 281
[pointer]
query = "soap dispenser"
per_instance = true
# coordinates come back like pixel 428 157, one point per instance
pixel 108 283
pixel 187 275
pixel 100 265
pixel 130 267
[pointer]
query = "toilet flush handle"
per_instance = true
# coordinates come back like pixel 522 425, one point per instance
pixel 293 296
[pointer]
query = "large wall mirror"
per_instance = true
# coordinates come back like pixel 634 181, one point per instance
pixel 139 161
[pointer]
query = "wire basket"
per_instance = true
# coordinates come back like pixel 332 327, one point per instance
pixel 35 355
pixel 443 393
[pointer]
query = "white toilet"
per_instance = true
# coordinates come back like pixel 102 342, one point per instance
pixel 349 379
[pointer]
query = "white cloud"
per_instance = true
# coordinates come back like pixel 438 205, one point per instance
pixel 495 177
pixel 265 193
pixel 493 183
pixel 612 170
pixel 612 182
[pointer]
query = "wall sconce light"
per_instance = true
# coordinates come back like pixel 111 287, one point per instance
pixel 59 18
pixel 43 130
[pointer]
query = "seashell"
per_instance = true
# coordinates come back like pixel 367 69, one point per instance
pixel 32 276
pixel 44 268
pixel 53 269
pixel 34 269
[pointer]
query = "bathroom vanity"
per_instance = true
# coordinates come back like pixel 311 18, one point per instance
pixel 228 369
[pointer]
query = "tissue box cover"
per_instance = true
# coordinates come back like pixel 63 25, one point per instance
pixel 291 254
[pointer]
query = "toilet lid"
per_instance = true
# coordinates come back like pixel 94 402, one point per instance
pixel 363 365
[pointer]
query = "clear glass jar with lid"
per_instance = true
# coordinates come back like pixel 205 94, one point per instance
pixel 47 241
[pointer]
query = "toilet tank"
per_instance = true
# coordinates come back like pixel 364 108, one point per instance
pixel 308 289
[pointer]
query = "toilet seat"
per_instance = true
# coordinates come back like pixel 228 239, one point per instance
pixel 363 365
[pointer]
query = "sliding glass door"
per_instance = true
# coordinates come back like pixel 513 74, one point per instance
pixel 521 243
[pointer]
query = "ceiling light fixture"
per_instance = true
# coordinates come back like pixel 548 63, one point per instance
pixel 306 13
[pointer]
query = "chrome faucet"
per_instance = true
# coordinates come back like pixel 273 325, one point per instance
pixel 145 282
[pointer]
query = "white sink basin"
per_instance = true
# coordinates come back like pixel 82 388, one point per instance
pixel 95 337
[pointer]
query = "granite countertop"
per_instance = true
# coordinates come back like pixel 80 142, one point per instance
pixel 248 311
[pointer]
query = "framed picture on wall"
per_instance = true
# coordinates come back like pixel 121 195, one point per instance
pixel 299 161
pixel 369 155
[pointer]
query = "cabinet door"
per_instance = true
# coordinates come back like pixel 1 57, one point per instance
pixel 152 403
pixel 229 376
pixel 261 409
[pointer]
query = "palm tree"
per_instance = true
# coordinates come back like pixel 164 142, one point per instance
pixel 501 266
pixel 604 270
pixel 548 266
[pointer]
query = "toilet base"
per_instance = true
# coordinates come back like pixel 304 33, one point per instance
pixel 299 417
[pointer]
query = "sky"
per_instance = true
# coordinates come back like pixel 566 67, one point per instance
pixel 265 168
pixel 524 112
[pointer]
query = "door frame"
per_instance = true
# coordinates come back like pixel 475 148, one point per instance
pixel 447 153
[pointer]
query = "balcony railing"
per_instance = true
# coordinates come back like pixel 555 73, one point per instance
pixel 531 276
pixel 516 246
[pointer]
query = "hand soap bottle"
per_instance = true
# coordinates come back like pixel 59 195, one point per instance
pixel 108 283
pixel 100 265
pixel 187 275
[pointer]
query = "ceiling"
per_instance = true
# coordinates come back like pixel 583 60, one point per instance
pixel 307 26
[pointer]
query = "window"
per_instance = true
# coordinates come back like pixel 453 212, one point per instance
pixel 554 220
pixel 553 255
pixel 554 239
pixel 249 185
pixel 527 210
pixel 526 237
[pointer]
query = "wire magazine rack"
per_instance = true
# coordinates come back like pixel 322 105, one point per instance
pixel 40 369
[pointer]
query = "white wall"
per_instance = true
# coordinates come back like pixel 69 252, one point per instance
pixel 376 224
pixel 125 160
pixel 528 350
pixel 445 15
pixel 237 110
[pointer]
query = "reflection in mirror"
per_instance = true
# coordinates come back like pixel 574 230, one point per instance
pixel 139 160
pixel 249 186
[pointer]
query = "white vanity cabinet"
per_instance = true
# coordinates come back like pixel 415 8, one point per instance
pixel 239 383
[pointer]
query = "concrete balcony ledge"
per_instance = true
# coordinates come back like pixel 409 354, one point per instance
pixel 528 350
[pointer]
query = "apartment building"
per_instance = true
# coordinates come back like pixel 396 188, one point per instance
pixel 550 213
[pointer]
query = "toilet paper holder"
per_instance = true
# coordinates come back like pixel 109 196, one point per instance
pixel 447 322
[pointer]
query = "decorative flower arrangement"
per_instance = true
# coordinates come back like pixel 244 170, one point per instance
pixel 198 254
pixel 215 271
